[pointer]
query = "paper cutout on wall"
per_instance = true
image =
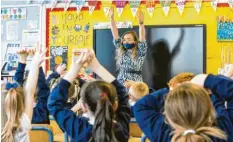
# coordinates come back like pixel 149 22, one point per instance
pixel 11 55
pixel 54 3
pixel 107 25
pixel 150 5
pixel 166 6
pixel 230 2
pixel 92 4
pixel 134 4
pixel 120 4
pixel 180 5
pixel 197 5
pixel 214 4
pixel 79 5
pixel 224 29
pixel 106 6
pixel 13 13
pixel 12 30
pixel 58 56
pixel 67 4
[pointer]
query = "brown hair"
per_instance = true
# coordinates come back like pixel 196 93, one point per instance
pixel 122 50
pixel 140 89
pixel 189 106
pixel 53 83
pixel 14 107
pixel 180 78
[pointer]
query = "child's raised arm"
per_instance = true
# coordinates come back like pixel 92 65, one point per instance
pixel 30 87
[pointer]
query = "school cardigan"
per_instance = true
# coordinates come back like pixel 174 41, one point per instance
pixel 53 75
pixel 78 127
pixel 40 111
pixel 148 111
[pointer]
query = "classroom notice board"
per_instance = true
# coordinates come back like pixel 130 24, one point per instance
pixel 67 29
pixel 17 24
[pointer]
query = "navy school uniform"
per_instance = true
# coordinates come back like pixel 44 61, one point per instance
pixel 149 115
pixel 53 75
pixel 78 128
pixel 40 111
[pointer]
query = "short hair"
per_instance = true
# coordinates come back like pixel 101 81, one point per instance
pixel 180 78
pixel 140 89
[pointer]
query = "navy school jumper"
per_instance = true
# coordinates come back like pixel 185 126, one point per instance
pixel 78 128
pixel 148 110
pixel 40 111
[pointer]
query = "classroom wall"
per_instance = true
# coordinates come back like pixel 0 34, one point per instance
pixel 207 16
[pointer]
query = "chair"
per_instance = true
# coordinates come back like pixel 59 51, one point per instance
pixel 41 132
pixel 134 129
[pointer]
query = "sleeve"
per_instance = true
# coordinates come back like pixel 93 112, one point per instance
pixel 142 48
pixel 148 114
pixel 65 118
pixel 221 86
pixel 52 76
pixel 123 111
pixel 19 74
pixel 117 43
pixel 40 111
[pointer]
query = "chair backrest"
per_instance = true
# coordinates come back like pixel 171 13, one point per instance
pixel 134 129
pixel 41 133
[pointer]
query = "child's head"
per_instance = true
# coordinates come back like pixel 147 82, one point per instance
pixel 136 91
pixel 190 112
pixel 73 92
pixel 180 78
pixel 100 99
pixel 14 107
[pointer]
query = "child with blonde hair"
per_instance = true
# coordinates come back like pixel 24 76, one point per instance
pixel 19 103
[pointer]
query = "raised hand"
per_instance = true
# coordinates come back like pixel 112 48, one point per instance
pixel 23 54
pixel 140 17
pixel 199 79
pixel 39 56
pixel 61 69
pixel 111 13
pixel 93 63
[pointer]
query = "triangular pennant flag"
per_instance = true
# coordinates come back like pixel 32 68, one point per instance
pixel 106 11
pixel 166 6
pixel 120 4
pixel 67 4
pixel 54 3
pixel 180 5
pixel 134 4
pixel 230 2
pixel 214 4
pixel 92 4
pixel 150 5
pixel 197 5
pixel 106 6
pixel 79 5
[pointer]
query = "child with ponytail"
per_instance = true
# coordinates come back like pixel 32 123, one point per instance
pixel 105 103
pixel 189 114
pixel 19 104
